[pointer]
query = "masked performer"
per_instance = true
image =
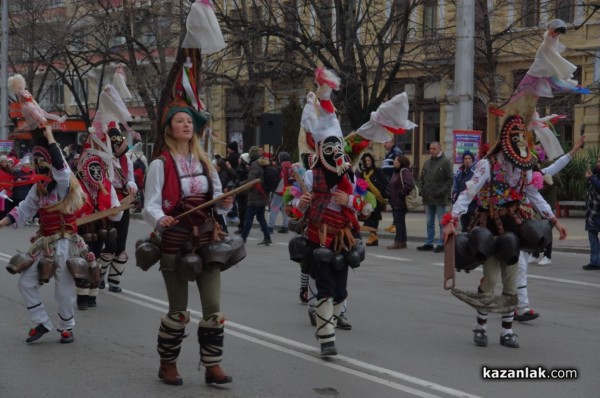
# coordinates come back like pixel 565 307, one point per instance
pixel 114 257
pixel 329 208
pixel 93 173
pixel 56 198
pixel 503 223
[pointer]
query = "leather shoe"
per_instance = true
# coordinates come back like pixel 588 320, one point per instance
pixel 591 267
pixel 439 249
pixel 425 248
pixel 215 375
pixel 397 245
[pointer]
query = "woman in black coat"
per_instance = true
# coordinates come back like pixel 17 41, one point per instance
pixel 401 183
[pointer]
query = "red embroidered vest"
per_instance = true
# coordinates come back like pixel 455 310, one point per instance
pixel 53 222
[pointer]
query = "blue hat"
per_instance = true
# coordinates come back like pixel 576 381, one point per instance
pixel 467 153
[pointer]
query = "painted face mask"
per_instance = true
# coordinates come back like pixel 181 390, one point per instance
pixel 92 173
pixel 117 141
pixel 514 143
pixel 42 163
pixel 332 155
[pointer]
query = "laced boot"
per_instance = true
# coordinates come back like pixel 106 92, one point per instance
pixel 211 334
pixel 326 327
pixel 117 267
pixel 104 261
pixel 170 336
pixel 396 245
pixel 215 375
pixel 168 373
pixel 373 239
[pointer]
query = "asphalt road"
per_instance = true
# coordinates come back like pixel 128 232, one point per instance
pixel 410 338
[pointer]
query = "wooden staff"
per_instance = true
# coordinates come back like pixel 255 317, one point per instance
pixel 126 203
pixel 239 189
pixel 449 270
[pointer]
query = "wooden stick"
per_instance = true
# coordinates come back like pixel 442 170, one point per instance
pixel 126 203
pixel 239 189
pixel 449 270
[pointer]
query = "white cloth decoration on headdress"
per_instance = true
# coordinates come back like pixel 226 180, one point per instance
pixel 327 125
pixel 309 113
pixel 546 136
pixel 203 30
pixel 120 83
pixel 392 114
pixel 112 108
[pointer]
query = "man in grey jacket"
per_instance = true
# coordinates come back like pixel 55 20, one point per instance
pixel 436 183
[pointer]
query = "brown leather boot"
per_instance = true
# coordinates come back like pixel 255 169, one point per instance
pixel 397 245
pixel 373 239
pixel 168 373
pixel 215 375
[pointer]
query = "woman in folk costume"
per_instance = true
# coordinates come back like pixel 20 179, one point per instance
pixel 56 196
pixel 178 179
pixel 502 225
pixel 93 173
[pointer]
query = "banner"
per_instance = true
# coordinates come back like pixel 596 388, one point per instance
pixel 466 140
pixel 6 146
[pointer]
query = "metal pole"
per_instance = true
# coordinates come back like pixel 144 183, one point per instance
pixel 4 74
pixel 464 73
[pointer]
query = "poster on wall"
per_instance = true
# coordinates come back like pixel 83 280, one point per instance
pixel 239 138
pixel 466 140
pixel 6 146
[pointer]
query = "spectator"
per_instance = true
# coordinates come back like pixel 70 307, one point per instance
pixel 436 183
pixel 257 196
pixel 276 206
pixel 24 172
pixel 378 186
pixel 387 166
pixel 464 174
pixel 241 199
pixel 139 176
pixel 6 180
pixel 401 183
pixel 549 193
pixel 227 177
pixel 233 155
pixel 592 216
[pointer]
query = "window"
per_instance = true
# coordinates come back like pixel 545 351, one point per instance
pixel 430 8
pixel 80 91
pixel 564 10
pixel 291 24
pixel 56 94
pixel 530 13
pixel 326 19
pixel 233 42
pixel 431 128
pixel 405 142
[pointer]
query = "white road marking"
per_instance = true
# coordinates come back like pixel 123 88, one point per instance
pixel 391 257
pixel 302 351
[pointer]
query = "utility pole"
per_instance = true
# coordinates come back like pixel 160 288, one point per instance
pixel 464 65
pixel 4 74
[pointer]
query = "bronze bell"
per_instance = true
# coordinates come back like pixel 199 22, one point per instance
pixel 140 241
pixel 298 248
pixel 46 268
pixel 190 266
pixel 103 234
pixel 19 262
pixel 146 255
pixel 112 234
pixel 78 267
pixel 94 274
pixel 216 254
pixel 87 237
pixel 238 254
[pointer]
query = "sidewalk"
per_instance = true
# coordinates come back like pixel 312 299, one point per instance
pixel 576 242
pixel 577 239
